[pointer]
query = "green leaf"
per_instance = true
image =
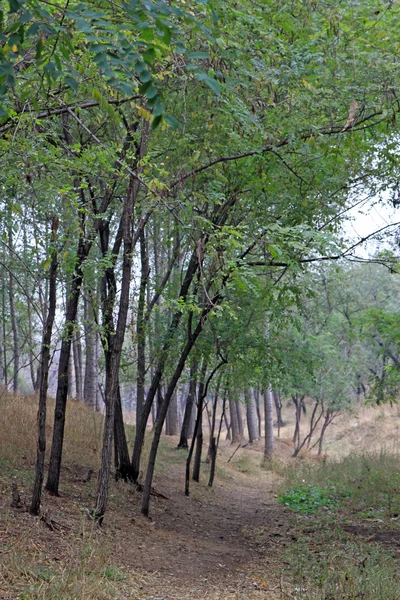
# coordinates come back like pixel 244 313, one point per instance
pixel 212 83
pixel 156 121
pixel 172 121
pixel 198 55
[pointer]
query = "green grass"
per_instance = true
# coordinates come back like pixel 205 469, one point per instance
pixel 369 483
pixel 308 499
pixel 326 562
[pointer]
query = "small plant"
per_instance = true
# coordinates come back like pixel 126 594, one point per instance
pixel 113 574
pixel 308 499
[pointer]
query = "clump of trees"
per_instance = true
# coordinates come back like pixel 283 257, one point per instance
pixel 169 179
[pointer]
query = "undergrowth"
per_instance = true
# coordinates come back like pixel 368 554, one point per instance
pixel 337 556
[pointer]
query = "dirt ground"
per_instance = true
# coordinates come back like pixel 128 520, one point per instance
pixel 222 543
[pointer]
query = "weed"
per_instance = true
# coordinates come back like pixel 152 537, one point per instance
pixel 308 499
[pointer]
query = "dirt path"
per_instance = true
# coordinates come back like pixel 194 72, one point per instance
pixel 217 543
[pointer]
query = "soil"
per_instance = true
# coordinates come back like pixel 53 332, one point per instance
pixel 222 543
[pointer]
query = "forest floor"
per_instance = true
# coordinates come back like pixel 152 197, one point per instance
pixel 234 541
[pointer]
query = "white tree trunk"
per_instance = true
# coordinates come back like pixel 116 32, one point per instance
pixel 269 424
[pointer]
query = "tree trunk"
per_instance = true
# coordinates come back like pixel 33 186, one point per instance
pixel 141 329
pixel 183 442
pixel 251 414
pixel 173 415
pixel 269 424
pixel 278 408
pixel 13 317
pixel 327 420
pixel 44 378
pixel 256 393
pixel 4 334
pixel 240 418
pixel 163 409
pixel 214 448
pixel 53 477
pixel 199 425
pixel 91 379
pixel 77 354
pixel 235 433
pixel 122 459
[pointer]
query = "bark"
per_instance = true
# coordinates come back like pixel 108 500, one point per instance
pixel 278 408
pixel 53 478
pixel 256 393
pixel 44 378
pixel 199 424
pixel 122 458
pixel 214 448
pixel 269 424
pixel 183 442
pixel 13 317
pixel 240 418
pixel 251 414
pixel 141 328
pixel 77 354
pixel 91 379
pixel 235 433
pixel 172 422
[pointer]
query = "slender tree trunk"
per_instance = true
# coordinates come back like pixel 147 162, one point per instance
pixel 77 354
pixel 212 442
pixel 1 364
pixel 123 461
pixel 240 418
pixel 183 442
pixel 3 306
pixel 164 407
pixel 53 477
pixel 13 318
pixel 141 329
pixel 199 425
pixel 44 377
pixel 297 401
pixel 278 408
pixel 269 424
pixel 251 414
pixel 327 420
pixel 215 445
pixel 90 382
pixel 173 415
pixel 235 432
pixel 228 427
pixel 256 394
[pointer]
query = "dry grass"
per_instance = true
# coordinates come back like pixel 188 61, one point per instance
pixel 18 430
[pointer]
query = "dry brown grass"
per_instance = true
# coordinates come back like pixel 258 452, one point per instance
pixel 18 430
